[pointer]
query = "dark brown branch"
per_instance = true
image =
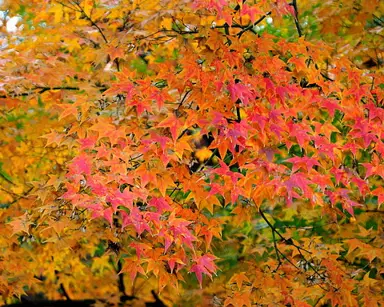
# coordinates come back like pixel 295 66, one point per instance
pixel 270 225
pixel 318 300
pixel 93 23
pixel 157 303
pixel 373 211
pixel 13 194
pixel 65 293
pixel 277 251
pixel 117 64
pixel 41 89
pixel 67 6
pixel 183 99
pixel 249 27
pixel 121 278
pixel 299 249
pixel 296 18
pixel 46 88
pixel 19 196
pixel 286 241
pixel 326 77
pixel 244 28
pixel 124 296
pixel 378 21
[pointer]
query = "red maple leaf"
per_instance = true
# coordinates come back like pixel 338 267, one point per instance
pixel 204 265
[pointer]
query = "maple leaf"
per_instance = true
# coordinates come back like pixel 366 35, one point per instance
pixel 240 91
pixel 301 132
pixel 115 52
pixel 225 171
pixel 174 125
pixel 239 278
pixel 239 300
pixel 82 164
pixel 55 181
pixel 363 129
pixel 374 168
pixel 141 248
pixel 125 91
pixel 252 12
pixel 132 267
pixel 21 224
pixel 108 215
pixel 348 205
pixel 160 204
pixel 297 180
pixel 331 106
pixel 203 265
pixel 53 138
pixel 69 109
pixel 87 143
pixel 302 162
pixel 178 229
pixel 379 192
pixel 118 198
pixel 103 128
pixel 136 219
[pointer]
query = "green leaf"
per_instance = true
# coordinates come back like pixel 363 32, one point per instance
pixel 4 174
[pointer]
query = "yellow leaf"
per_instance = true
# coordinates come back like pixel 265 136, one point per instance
pixel 203 154
pixel 17 189
pixel 88 5
pixel 239 279
pixel 166 23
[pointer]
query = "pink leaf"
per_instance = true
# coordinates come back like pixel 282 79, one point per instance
pixel 81 165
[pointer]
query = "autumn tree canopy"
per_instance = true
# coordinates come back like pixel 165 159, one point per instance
pixel 200 153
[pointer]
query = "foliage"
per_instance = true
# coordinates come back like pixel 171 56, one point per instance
pixel 216 152
pixel 354 28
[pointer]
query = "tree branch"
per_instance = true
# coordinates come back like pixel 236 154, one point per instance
pixel 373 211
pixel 286 241
pixel 42 89
pixel 157 303
pixel 124 296
pixel 296 18
pixel 299 249
pixel 65 293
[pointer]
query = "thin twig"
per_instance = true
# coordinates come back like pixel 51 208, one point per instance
pixel 12 193
pixel 183 99
pixel 326 77
pixel 286 241
pixel 19 196
pixel 67 6
pixel 276 251
pixel 249 27
pixel 91 21
pixel 318 301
